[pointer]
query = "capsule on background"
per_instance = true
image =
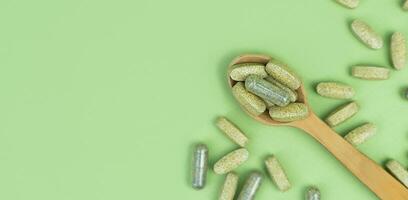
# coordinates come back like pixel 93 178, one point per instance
pixel 398 171
pixel 267 90
pixel 250 102
pixel 292 94
pixel 335 90
pixel 398 50
pixel 312 193
pixel 251 186
pixel 281 72
pixel 361 134
pixel 289 113
pixel 240 72
pixel 370 72
pixel 231 161
pixel 232 131
pixel 342 113
pixel 366 34
pixel 200 166
pixel 349 3
pixel 277 173
pixel 229 187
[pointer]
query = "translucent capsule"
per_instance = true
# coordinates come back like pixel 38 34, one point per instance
pixel 251 186
pixel 335 90
pixel 200 166
pixel 292 94
pixel 398 171
pixel 366 34
pixel 349 3
pixel 250 102
pixel 341 114
pixel 230 186
pixel 312 193
pixel 277 173
pixel 240 72
pixel 398 50
pixel 370 72
pixel 233 132
pixel 281 72
pixel 267 90
pixel 289 113
pixel 361 134
pixel 231 161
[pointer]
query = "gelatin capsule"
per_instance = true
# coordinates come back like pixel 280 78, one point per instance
pixel 370 72
pixel 341 114
pixel 232 131
pixel 277 173
pixel 361 134
pixel 312 193
pixel 200 166
pixel 366 34
pixel 231 161
pixel 251 186
pixel 398 171
pixel 281 72
pixel 266 90
pixel 240 72
pixel 335 90
pixel 250 102
pixel 229 187
pixel 292 94
pixel 398 50
pixel 289 113
pixel 349 3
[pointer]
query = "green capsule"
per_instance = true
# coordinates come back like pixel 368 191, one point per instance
pixel 289 113
pixel 250 102
pixel 292 94
pixel 349 3
pixel 398 50
pixel 266 90
pixel 240 72
pixel 277 173
pixel 370 72
pixel 232 131
pixel 281 72
pixel 231 161
pixel 342 113
pixel 398 171
pixel 361 134
pixel 366 34
pixel 229 187
pixel 335 90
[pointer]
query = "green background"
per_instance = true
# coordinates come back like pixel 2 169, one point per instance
pixel 104 99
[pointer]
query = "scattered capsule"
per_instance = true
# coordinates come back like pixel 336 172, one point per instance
pixel 349 3
pixel 335 90
pixel 366 34
pixel 281 72
pixel 370 72
pixel 312 193
pixel 342 113
pixel 231 161
pixel 251 186
pixel 230 186
pixel 405 6
pixel 240 72
pixel 289 113
pixel 361 134
pixel 266 90
pixel 232 131
pixel 250 102
pixel 292 94
pixel 200 166
pixel 398 171
pixel 398 50
pixel 277 173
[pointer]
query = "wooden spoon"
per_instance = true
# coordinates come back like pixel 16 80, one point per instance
pixel 367 171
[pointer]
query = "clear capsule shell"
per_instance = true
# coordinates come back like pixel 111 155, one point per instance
pixel 335 90
pixel 232 131
pixel 250 102
pixel 240 72
pixel 341 114
pixel 266 90
pixel 251 186
pixel 312 193
pixel 200 166
pixel 366 34
pixel 398 171
pixel 398 50
pixel 370 72
pixel 231 161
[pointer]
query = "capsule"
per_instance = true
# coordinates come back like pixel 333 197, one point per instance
pixel 230 187
pixel 289 113
pixel 398 171
pixel 250 102
pixel 349 3
pixel 292 94
pixel 200 166
pixel 232 132
pixel 370 72
pixel 312 193
pixel 240 72
pixel 398 50
pixel 335 90
pixel 341 114
pixel 281 72
pixel 405 6
pixel 366 34
pixel 231 161
pixel 277 173
pixel 361 134
pixel 266 90
pixel 251 186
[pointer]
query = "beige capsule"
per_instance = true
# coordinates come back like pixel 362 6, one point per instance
pixel 250 102
pixel 289 113
pixel 277 173
pixel 335 90
pixel 349 3
pixel 398 50
pixel 229 187
pixel 231 161
pixel 292 94
pixel 240 72
pixel 342 113
pixel 232 131
pixel 398 171
pixel 281 72
pixel 366 34
pixel 361 134
pixel 370 72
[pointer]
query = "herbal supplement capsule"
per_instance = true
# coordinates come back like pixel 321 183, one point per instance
pixel 230 186
pixel 312 193
pixel 267 91
pixel 342 113
pixel 361 134
pixel 398 171
pixel 240 72
pixel 251 186
pixel 232 131
pixel 370 72
pixel 349 3
pixel 231 161
pixel 289 113
pixel 281 72
pixel 335 90
pixel 200 166
pixel 398 50
pixel 277 174
pixel 292 94
pixel 250 102
pixel 366 34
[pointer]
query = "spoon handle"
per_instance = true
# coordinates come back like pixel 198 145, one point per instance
pixel 366 170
